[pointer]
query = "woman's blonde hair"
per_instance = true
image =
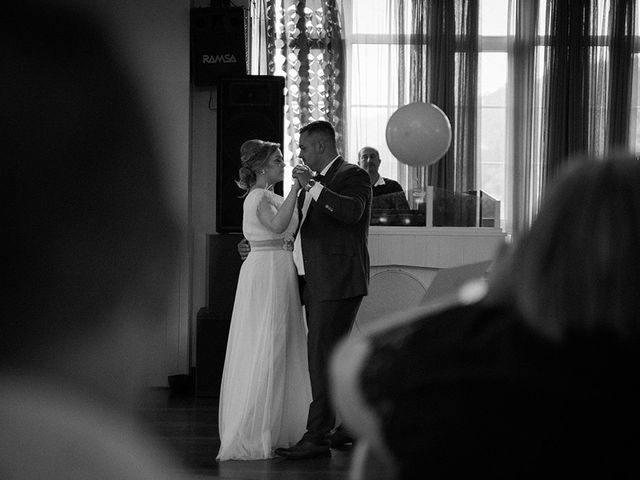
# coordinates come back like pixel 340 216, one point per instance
pixel 254 155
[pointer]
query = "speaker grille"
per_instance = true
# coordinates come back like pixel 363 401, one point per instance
pixel 248 107
pixel 218 44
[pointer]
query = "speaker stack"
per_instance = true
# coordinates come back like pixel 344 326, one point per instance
pixel 218 44
pixel 248 107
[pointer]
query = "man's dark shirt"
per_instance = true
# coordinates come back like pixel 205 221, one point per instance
pixel 389 195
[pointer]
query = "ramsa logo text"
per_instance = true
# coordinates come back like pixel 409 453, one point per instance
pixel 220 58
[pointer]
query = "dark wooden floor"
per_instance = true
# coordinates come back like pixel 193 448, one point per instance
pixel 188 426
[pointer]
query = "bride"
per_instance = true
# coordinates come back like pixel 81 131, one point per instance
pixel 266 391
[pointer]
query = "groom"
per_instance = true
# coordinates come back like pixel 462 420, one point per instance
pixel 333 264
pixel 332 258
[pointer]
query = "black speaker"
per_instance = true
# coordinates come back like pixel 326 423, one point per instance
pixel 248 107
pixel 218 44
pixel 214 321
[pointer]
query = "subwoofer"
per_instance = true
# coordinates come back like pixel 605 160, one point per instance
pixel 249 107
pixel 218 44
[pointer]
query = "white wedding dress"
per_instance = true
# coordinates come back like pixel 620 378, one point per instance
pixel 266 392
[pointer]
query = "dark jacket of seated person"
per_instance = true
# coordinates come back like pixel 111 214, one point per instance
pixel 473 390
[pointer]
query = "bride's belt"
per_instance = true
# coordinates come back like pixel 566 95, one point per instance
pixel 273 244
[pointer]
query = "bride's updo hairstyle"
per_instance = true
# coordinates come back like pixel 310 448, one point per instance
pixel 254 155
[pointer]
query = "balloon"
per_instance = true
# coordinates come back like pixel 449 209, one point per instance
pixel 418 134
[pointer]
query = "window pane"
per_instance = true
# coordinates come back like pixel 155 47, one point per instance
pixel 373 85
pixel 492 151
pixel 493 17
pixel 372 16
pixel 493 79
pixel 492 130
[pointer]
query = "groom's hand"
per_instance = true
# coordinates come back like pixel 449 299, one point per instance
pixel 303 174
pixel 244 248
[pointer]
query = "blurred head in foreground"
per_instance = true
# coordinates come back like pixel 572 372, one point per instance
pixel 89 244
pixel 576 270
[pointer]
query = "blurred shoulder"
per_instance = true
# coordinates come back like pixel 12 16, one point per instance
pixel 430 329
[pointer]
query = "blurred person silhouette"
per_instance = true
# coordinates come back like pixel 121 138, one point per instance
pixel 534 378
pixel 89 252
pixel 387 193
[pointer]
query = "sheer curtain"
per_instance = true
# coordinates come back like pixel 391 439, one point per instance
pixel 371 39
pixel 523 185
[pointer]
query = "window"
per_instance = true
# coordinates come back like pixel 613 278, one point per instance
pixel 492 97
pixel 372 88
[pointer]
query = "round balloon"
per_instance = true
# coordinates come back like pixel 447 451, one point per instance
pixel 418 134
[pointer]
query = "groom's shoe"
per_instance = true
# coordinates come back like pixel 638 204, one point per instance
pixel 304 449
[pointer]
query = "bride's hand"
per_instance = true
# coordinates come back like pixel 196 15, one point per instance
pixel 296 184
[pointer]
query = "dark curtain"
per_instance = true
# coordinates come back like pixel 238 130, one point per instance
pixel 442 51
pixel 621 25
pixel 587 93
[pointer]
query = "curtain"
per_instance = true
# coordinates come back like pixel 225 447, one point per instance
pixel 523 187
pixel 442 51
pixel 622 23
pixel 371 39
pixel 573 81
pixel 570 90
pixel 443 68
pixel 305 45
pixel 260 35
pixel 588 90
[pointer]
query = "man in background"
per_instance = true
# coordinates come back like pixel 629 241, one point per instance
pixel 387 193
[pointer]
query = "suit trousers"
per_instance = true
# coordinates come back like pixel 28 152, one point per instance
pixel 328 322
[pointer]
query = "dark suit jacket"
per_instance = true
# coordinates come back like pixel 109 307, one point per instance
pixel 334 234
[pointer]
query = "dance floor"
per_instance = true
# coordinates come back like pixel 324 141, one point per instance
pixel 188 426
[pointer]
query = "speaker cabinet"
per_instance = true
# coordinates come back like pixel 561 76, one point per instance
pixel 218 44
pixel 248 107
pixel 214 321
